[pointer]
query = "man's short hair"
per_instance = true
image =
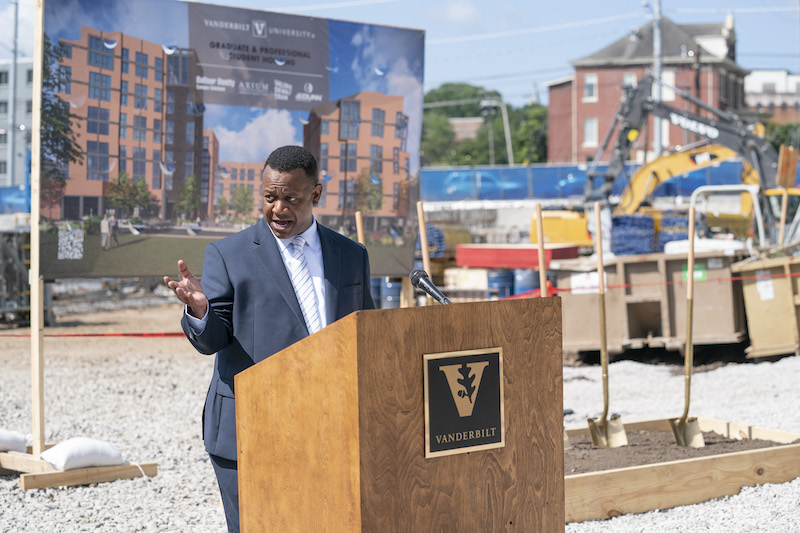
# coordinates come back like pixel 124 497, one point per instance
pixel 288 158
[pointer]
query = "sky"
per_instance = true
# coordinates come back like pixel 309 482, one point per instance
pixel 517 46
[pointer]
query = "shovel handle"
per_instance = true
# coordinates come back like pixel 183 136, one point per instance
pixel 689 351
pixel 601 300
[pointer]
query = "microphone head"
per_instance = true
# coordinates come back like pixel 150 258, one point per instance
pixel 416 275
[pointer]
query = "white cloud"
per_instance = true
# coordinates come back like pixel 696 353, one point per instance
pixel 25 27
pixel 260 136
pixel 460 12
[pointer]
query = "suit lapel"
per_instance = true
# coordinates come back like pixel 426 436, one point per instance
pixel 266 250
pixel 331 260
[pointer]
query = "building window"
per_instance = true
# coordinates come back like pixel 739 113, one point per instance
pixel 3 108
pixel 395 196
pixel 156 169
pixel 126 56
pixel 29 106
pixel 99 55
pixel 139 164
pixel 190 133
pixel 123 125
pixel 347 157
pixel 123 159
pixel 323 156
pixel 590 87
pixel 170 101
pixel 97 161
pixel 123 93
pixel 97 121
pixel 30 77
pixel 3 137
pixel 350 119
pixel 590 133
pixel 157 130
pixel 3 169
pixel 376 157
pixel 629 79
pixel 251 174
pixel 668 81
pixel 140 97
pixel 139 128
pixel 189 160
pixel 158 100
pixel 232 189
pixel 169 131
pixel 378 120
pixel 66 51
pixel 396 160
pixel 178 69
pixel 158 71
pixel 326 127
pixel 141 65
pixel 64 79
pixel 99 86
pixel 401 129
pixel 4 78
pixel 347 194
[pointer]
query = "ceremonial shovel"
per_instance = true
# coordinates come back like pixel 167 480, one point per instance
pixel 605 433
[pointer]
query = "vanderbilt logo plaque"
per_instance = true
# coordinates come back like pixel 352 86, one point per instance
pixel 463 401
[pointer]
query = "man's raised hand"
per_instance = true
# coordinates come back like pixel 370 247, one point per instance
pixel 189 291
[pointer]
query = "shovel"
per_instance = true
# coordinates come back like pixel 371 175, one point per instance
pixel 687 430
pixel 606 433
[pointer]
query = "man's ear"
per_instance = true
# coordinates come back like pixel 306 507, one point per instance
pixel 317 194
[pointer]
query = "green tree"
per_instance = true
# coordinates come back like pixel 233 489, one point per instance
pixel 189 199
pixel 778 134
pixel 59 143
pixel 126 194
pixel 369 195
pixel 529 133
pixel 222 205
pixel 242 200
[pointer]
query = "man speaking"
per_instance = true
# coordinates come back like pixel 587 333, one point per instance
pixel 263 289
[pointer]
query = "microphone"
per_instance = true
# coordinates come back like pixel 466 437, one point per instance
pixel 419 279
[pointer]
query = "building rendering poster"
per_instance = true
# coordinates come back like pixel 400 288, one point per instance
pixel 174 106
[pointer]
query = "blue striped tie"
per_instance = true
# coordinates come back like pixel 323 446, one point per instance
pixel 303 286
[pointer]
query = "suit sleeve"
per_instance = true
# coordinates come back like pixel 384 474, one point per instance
pixel 218 288
pixel 368 302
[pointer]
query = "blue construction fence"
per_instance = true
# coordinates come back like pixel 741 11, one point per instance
pixel 544 181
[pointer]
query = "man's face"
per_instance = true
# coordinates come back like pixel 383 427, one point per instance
pixel 287 200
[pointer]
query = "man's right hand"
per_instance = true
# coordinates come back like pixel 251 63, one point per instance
pixel 189 291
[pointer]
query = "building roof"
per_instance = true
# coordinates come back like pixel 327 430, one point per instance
pixel 676 43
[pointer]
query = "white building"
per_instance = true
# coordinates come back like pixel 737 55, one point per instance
pixel 775 93
pixel 22 119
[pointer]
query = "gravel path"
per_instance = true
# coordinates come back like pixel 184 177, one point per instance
pixel 146 395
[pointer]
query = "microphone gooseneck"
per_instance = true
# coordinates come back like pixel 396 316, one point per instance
pixel 419 279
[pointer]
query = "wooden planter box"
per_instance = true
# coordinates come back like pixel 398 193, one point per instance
pixel 609 493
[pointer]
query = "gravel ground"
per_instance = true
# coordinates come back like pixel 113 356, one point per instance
pixel 146 395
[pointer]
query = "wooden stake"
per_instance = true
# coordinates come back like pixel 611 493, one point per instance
pixel 543 292
pixel 423 245
pixel 360 228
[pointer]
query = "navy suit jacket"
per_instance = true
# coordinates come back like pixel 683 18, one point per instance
pixel 254 313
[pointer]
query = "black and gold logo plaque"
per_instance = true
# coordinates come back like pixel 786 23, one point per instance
pixel 463 401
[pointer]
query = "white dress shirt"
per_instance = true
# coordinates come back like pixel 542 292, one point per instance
pixel 313 251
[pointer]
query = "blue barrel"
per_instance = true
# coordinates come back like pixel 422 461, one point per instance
pixel 525 279
pixel 390 292
pixel 503 281
pixel 375 288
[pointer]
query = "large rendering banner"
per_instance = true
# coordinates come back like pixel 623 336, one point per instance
pixel 158 116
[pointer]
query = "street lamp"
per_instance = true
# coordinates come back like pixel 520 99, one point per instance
pixel 656 7
pixel 491 105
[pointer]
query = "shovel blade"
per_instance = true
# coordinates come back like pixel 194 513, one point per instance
pixel 615 432
pixel 597 431
pixel 687 432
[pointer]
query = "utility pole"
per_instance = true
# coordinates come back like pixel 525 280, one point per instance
pixel 12 115
pixel 657 73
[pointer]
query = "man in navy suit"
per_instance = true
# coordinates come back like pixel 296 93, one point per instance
pixel 249 306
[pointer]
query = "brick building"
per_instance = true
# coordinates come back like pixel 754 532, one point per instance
pixel 774 95
pixel 697 58
pixel 137 112
pixel 360 143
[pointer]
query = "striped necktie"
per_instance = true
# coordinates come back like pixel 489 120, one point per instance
pixel 303 285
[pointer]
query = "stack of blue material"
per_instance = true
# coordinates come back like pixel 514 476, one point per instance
pixel 633 234
pixel 674 226
pixel 436 244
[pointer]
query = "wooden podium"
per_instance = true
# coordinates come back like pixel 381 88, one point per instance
pixel 331 431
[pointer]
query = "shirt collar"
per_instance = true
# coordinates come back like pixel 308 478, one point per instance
pixel 311 236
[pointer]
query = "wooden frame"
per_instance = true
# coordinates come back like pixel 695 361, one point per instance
pixel 609 493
